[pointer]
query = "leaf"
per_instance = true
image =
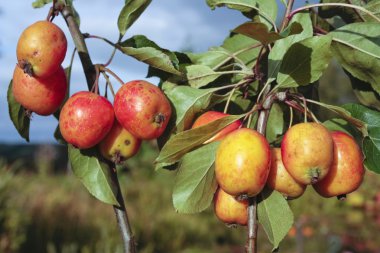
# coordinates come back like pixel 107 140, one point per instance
pixel 242 47
pixel 130 13
pixel 210 58
pixel 365 93
pixel 371 142
pixel 188 102
pixel 281 46
pixel 359 53
pixel 267 9
pixel 183 142
pixel 364 37
pixel 305 62
pixel 18 115
pixel 260 32
pixel 275 125
pixel 195 182
pixel 275 215
pixel 94 174
pixel 199 75
pixel 145 50
pixel 40 3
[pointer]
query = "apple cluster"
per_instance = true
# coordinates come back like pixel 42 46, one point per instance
pixel 39 81
pixel 140 111
pixel 310 154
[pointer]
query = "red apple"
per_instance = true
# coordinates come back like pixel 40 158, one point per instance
pixel 40 95
pixel 143 109
pixel 211 116
pixel 85 119
pixel 347 171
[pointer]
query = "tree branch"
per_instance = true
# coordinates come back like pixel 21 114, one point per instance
pixel 90 73
pixel 252 208
pixel 289 8
pixel 88 66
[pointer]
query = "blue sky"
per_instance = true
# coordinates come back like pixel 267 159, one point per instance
pixel 172 24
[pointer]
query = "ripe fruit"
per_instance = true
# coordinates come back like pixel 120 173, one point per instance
pixel 40 95
pixel 211 116
pixel 142 109
pixel 229 210
pixel 280 180
pixel 85 119
pixel 347 171
pixel 242 162
pixel 41 49
pixel 119 144
pixel 307 151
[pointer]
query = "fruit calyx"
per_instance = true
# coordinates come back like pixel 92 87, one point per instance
pixel 26 67
pixel 342 197
pixel 159 118
pixel 242 197
pixel 314 175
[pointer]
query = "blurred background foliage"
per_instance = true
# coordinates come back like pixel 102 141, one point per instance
pixel 45 209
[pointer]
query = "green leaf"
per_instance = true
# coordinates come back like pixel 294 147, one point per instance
pixel 276 124
pixel 357 47
pixel 40 3
pixel 260 32
pixel 365 93
pixel 364 37
pixel 371 142
pixel 305 62
pixel 183 142
pixel 130 13
pixel 241 46
pixel 18 115
pixel 281 46
pixel 94 174
pixel 275 215
pixel 210 58
pixel 195 182
pixel 267 9
pixel 150 53
pixel 188 102
pixel 199 75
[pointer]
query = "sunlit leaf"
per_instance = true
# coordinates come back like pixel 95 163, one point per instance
pixel 275 215
pixel 130 13
pixel 195 182
pixel 305 62
pixel 94 174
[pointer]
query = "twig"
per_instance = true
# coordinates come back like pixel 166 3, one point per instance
pixel 90 73
pixel 289 8
pixel 357 12
pixel 88 67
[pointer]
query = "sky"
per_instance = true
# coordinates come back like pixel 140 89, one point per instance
pixel 172 24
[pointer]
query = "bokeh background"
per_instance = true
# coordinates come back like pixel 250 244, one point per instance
pixel 45 209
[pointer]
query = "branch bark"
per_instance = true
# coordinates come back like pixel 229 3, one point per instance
pixel 289 8
pixel 252 208
pixel 90 73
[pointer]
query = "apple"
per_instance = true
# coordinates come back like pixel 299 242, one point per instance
pixel 39 95
pixel 119 144
pixel 41 49
pixel 347 171
pixel 242 162
pixel 280 180
pixel 229 210
pixel 211 116
pixel 85 119
pixel 307 151
pixel 143 109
